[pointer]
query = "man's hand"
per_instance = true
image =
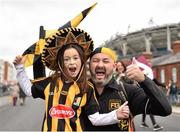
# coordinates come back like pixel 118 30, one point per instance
pixel 19 60
pixel 134 72
pixel 123 111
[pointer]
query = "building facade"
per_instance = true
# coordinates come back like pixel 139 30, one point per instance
pixel 157 39
pixel 7 72
pixel 1 70
pixel 167 67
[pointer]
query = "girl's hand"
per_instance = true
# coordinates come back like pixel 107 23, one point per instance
pixel 19 60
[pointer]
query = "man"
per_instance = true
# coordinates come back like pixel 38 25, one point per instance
pixel 110 95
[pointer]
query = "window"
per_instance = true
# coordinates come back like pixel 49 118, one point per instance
pixel 162 76
pixel 174 74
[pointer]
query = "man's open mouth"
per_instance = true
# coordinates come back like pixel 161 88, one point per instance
pixel 100 72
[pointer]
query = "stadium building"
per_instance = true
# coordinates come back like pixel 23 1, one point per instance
pixel 160 42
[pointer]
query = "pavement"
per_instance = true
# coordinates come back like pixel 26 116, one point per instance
pixel 176 109
pixel 4 100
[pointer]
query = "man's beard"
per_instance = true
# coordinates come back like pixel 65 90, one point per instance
pixel 101 83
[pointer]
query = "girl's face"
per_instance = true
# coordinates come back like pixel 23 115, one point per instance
pixel 72 62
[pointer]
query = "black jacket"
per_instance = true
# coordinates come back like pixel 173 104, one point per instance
pixel 148 98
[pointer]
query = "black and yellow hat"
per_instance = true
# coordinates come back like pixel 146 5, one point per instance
pixel 111 53
pixel 62 38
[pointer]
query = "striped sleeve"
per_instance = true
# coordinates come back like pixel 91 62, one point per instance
pixel 23 80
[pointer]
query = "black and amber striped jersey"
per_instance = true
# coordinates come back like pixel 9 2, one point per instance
pixel 64 104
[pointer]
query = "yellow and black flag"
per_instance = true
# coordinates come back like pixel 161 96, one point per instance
pixel 33 56
pixel 33 53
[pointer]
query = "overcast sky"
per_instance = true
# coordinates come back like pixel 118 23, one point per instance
pixel 20 19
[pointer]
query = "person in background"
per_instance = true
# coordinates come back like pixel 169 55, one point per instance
pixel 110 95
pixel 172 92
pixel 22 96
pixel 15 94
pixel 156 126
pixel 120 72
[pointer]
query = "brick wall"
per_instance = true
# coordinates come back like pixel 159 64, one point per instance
pixel 176 47
pixel 168 72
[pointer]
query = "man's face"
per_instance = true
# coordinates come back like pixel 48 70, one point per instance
pixel 101 68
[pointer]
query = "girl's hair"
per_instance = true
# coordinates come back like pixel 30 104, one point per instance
pixel 82 81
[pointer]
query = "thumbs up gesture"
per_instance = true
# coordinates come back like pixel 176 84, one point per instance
pixel 123 111
pixel 134 72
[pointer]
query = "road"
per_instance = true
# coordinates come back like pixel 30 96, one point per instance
pixel 29 118
pixel 170 123
pixel 22 118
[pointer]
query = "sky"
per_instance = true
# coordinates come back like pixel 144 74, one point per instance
pixel 20 19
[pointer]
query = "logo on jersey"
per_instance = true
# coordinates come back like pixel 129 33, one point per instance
pixel 114 104
pixel 77 101
pixel 61 112
pixel 123 125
